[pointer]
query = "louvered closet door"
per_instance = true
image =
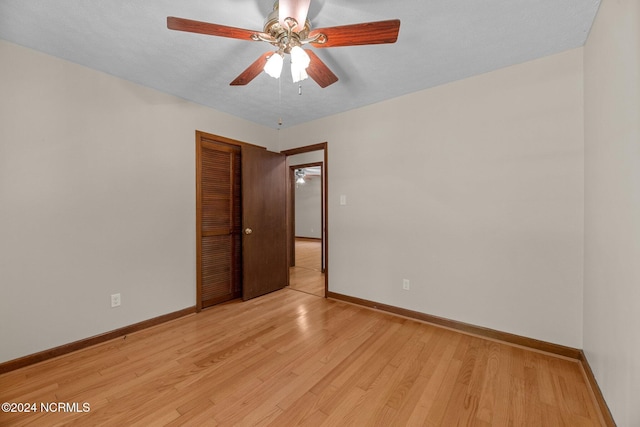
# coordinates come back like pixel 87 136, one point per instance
pixel 219 224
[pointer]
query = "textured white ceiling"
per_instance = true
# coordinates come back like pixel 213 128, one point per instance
pixel 440 41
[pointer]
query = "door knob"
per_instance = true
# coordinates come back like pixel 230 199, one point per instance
pixel 248 230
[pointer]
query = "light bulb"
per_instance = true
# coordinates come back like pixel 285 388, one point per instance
pixel 273 67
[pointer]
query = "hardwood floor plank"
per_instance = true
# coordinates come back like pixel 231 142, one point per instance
pixel 306 275
pixel 291 358
pixel 474 369
pixel 351 363
pixel 296 412
pixel 160 418
pixel 437 371
pixel 414 384
pixel 340 413
pixel 504 390
pixel 489 384
pixel 532 392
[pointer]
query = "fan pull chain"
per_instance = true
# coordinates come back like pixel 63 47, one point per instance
pixel 300 90
pixel 280 101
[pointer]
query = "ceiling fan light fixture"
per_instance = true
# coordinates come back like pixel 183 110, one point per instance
pixel 273 67
pixel 288 28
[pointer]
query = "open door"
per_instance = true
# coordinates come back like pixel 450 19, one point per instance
pixel 264 240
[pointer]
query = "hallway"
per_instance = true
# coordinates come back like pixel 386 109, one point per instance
pixel 306 275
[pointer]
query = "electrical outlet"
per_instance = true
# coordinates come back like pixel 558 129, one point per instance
pixel 115 300
pixel 406 285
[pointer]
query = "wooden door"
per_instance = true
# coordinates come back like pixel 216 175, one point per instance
pixel 264 241
pixel 219 227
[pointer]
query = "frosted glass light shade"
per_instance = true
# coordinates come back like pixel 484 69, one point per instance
pixel 299 63
pixel 273 67
pixel 300 57
pixel 298 73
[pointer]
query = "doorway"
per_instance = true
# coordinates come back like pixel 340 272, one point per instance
pixel 306 267
pixel 307 219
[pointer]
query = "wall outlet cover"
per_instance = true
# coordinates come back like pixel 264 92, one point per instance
pixel 115 300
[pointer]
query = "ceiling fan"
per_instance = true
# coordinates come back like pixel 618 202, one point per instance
pixel 288 29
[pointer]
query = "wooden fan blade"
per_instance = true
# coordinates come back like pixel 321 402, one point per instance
pixel 252 71
pixel 190 26
pixel 319 71
pixel 358 34
pixel 296 9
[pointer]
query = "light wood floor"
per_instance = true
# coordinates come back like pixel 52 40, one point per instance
pixel 307 275
pixel 290 358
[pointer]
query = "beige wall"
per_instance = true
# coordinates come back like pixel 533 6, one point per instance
pixel 612 206
pixel 308 215
pixel 97 196
pixel 473 191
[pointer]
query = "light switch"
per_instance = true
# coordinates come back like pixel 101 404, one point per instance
pixel 343 199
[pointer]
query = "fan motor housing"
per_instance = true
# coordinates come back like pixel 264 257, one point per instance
pixel 273 27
